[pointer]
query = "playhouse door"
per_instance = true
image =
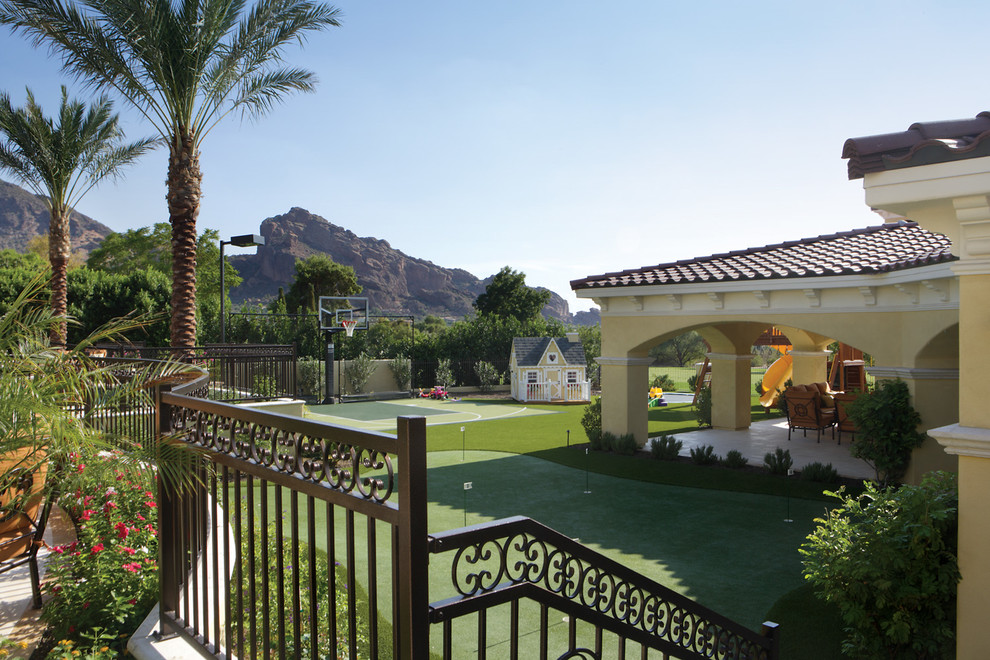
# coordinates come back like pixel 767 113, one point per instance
pixel 554 384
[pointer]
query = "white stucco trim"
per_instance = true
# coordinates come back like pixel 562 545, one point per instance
pixel 963 440
pixel 972 267
pixel 624 361
pixel 810 354
pixel 913 373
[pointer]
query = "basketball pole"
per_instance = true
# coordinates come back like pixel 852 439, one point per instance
pixel 328 367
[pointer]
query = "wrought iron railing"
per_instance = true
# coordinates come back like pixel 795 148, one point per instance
pixel 303 539
pixel 507 562
pixel 238 372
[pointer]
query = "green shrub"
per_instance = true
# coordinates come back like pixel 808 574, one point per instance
pixel 445 375
pixel 886 429
pixel 591 420
pixel 309 376
pixel 887 559
pixel 778 462
pixel 625 444
pixel 818 472
pixel 704 455
pixel 735 460
pixel 607 441
pixel 692 381
pixel 488 376
pixel 665 448
pixel 401 371
pixel 758 386
pixel 664 382
pixel 358 372
pixel 703 406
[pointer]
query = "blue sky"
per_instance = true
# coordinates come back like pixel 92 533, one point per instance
pixel 567 139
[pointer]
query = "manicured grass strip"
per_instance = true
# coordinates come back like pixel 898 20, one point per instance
pixel 677 473
pixel 810 628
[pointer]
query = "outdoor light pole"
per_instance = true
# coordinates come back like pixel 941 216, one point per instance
pixel 245 240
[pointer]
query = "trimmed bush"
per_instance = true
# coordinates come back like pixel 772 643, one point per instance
pixel 309 376
pixel 401 371
pixel 704 455
pixel 625 444
pixel 665 448
pixel 608 440
pixel 358 372
pixel 692 381
pixel 703 406
pixel 664 382
pixel 778 462
pixel 887 559
pixel 735 460
pixel 886 430
pixel 818 472
pixel 488 376
pixel 591 420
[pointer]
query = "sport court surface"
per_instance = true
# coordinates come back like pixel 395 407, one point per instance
pixel 380 415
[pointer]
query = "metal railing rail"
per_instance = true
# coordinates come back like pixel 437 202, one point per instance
pixel 238 372
pixel 515 559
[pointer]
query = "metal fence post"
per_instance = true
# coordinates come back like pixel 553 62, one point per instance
pixel 771 631
pixel 168 573
pixel 413 625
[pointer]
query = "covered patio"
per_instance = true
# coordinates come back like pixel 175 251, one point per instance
pixel 888 290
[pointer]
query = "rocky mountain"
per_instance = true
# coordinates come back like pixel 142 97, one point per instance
pixel 24 215
pixel 394 282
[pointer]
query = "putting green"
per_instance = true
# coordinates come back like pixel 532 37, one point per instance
pixel 380 415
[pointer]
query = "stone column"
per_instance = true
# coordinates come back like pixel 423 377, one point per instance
pixel 731 391
pixel 625 386
pixel 809 367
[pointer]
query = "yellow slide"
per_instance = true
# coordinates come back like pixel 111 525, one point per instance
pixel 774 379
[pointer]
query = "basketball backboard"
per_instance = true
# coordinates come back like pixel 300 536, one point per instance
pixel 334 310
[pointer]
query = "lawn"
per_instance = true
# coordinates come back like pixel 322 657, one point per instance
pixel 713 534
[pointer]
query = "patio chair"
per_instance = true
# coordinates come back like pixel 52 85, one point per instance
pixel 23 516
pixel 843 421
pixel 805 411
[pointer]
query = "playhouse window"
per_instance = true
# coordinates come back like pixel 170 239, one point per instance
pixel 572 377
pixel 532 377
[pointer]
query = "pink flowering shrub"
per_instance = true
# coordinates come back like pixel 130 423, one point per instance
pixel 108 578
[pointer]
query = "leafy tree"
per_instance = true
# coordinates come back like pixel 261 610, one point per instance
pixel 17 272
pixel 886 429
pixel 432 324
pixel 680 351
pixel 149 248
pixel 508 295
pixel 316 276
pixel 62 159
pixel 184 65
pixel 887 559
pixel 99 296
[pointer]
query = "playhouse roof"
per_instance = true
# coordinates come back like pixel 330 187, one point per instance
pixel 883 248
pixel 923 143
pixel 530 350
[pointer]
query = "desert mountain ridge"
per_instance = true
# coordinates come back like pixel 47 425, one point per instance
pixel 394 282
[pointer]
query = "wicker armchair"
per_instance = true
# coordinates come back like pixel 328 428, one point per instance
pixel 805 411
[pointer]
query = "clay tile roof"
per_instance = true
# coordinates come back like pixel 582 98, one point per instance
pixel 922 143
pixel 883 248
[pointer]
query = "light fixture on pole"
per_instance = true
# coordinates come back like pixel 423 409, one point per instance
pixel 245 240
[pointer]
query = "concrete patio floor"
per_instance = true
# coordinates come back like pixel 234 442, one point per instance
pixel 766 435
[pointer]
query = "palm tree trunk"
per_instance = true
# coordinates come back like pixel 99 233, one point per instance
pixel 58 256
pixel 184 184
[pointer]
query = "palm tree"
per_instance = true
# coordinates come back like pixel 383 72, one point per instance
pixel 185 65
pixel 62 160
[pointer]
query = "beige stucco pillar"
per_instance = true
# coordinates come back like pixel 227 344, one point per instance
pixel 809 367
pixel 730 390
pixel 624 389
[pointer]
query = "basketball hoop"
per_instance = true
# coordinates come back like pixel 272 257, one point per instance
pixel 348 325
